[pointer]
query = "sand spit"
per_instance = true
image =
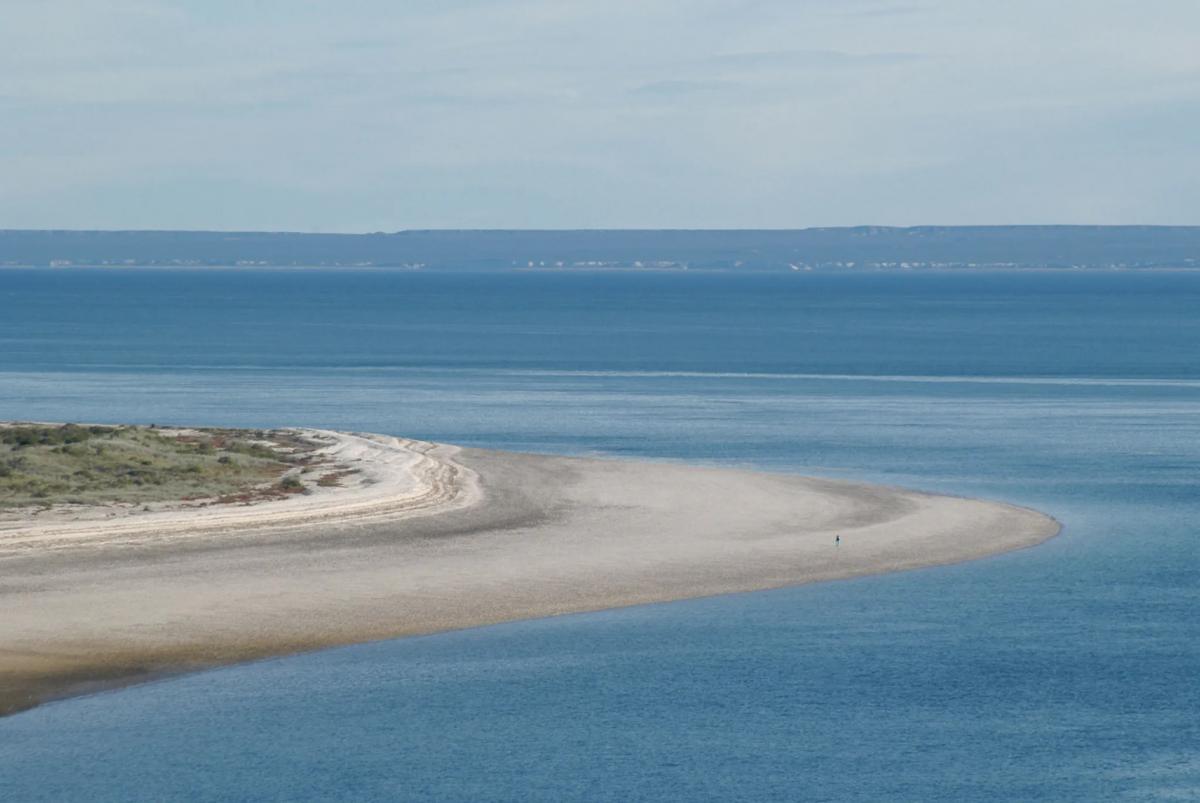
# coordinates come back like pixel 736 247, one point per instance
pixel 432 537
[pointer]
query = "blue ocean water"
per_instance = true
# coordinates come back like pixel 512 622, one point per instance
pixel 1068 672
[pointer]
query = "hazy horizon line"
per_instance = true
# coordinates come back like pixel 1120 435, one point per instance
pixel 704 229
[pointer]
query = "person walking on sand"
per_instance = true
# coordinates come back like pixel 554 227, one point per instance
pixel 837 540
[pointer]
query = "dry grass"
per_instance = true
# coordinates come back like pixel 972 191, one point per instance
pixel 43 465
pixel 334 478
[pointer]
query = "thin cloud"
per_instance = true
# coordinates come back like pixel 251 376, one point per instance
pixel 675 89
pixel 820 59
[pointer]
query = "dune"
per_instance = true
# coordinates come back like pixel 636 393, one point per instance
pixel 431 537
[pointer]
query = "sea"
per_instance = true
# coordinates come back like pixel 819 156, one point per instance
pixel 1065 672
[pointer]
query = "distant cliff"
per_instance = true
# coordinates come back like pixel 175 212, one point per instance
pixel 857 248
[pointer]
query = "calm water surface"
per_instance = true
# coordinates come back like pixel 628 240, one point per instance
pixel 1068 672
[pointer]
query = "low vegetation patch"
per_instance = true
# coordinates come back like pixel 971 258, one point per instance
pixel 67 463
pixel 334 478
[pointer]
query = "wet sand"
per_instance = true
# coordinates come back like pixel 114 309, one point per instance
pixel 435 538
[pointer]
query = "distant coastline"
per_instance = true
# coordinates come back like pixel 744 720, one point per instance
pixel 862 248
pixel 979 270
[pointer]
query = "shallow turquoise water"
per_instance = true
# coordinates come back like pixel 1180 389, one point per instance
pixel 1065 672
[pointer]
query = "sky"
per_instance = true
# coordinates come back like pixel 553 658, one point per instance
pixel 374 115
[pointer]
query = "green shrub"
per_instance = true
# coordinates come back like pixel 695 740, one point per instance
pixel 291 484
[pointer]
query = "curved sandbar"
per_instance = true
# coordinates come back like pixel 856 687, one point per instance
pixel 432 537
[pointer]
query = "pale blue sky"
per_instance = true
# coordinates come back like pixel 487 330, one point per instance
pixel 361 115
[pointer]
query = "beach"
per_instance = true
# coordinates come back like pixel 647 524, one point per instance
pixel 431 537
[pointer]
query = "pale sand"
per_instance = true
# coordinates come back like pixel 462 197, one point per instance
pixel 435 538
